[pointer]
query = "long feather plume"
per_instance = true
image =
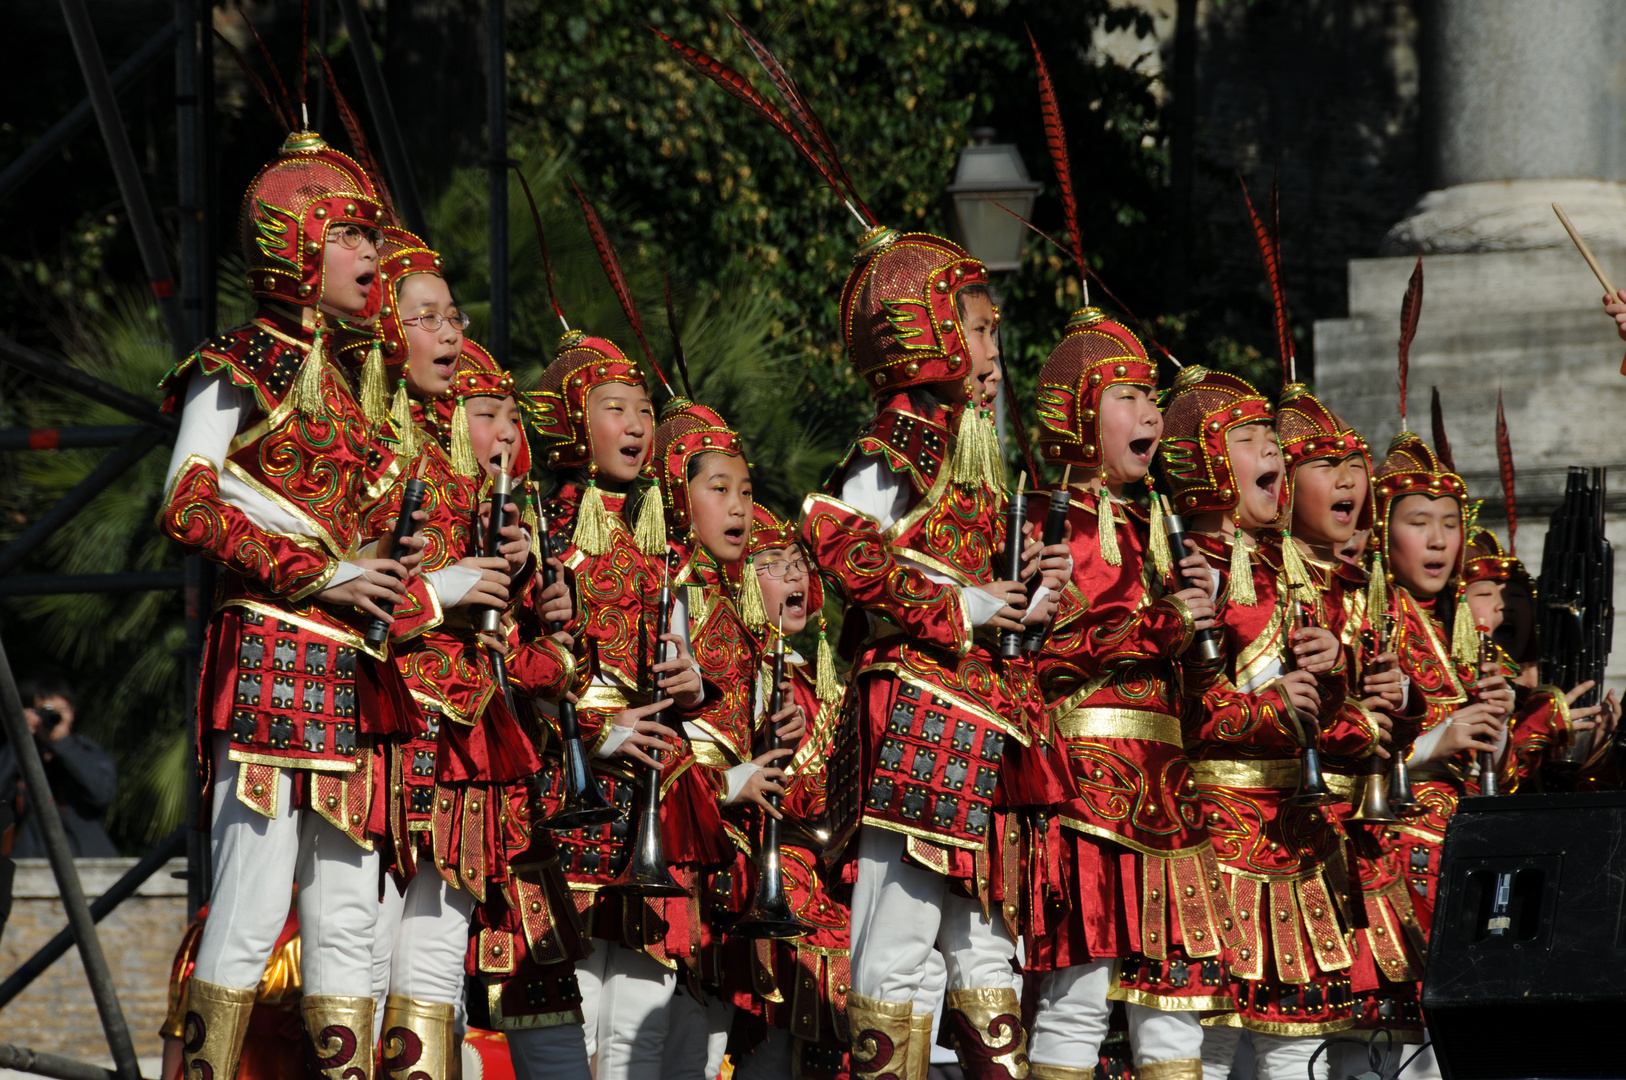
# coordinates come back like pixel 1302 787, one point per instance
pixel 1504 465
pixel 542 243
pixel 254 80
pixel 265 54
pixel 1442 445
pixel 679 356
pixel 358 140
pixel 612 270
pixel 740 87
pixel 1018 425
pixel 1055 137
pixel 1411 306
pixel 1271 257
pixel 802 112
pixel 1144 330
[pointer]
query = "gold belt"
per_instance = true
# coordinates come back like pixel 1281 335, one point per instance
pixel 604 699
pixel 1088 723
pixel 1270 773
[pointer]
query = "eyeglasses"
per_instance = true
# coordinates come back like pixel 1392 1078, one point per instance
pixel 431 320
pixel 351 236
pixel 782 568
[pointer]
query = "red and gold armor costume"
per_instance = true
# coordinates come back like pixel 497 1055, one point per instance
pixel 1132 839
pixel 289 678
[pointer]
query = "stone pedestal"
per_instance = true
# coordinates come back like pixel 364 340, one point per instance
pixel 1527 322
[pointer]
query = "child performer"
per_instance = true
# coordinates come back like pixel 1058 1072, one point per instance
pixel 1111 673
pixel 719 610
pixel 593 414
pixel 267 478
pixel 458 425
pixel 796 989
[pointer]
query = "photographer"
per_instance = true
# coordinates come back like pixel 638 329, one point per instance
pixel 81 775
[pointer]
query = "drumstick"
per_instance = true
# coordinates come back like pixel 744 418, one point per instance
pixel 1586 253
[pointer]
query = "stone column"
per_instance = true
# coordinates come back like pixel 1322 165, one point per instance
pixel 1523 106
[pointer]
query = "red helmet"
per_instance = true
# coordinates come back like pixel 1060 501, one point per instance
pixel 479 375
pixel 1200 412
pixel 400 255
pixel 1094 353
pixel 1309 431
pixel 686 431
pixel 898 313
pixel 770 532
pixel 557 408
pixel 1411 468
pixel 306 190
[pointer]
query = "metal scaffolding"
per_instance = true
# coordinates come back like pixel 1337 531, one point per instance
pixel 187 308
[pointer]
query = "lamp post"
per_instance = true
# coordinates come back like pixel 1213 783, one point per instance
pixel 990 173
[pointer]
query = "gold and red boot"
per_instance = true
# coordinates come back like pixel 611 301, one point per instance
pixel 340 1030
pixel 420 1040
pixel 883 1040
pixel 216 1022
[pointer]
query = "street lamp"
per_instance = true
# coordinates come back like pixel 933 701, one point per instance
pixel 990 173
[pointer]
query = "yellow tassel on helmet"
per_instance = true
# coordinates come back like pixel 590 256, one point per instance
pixel 1106 527
pixel 649 531
pixel 375 393
pixel 401 418
pixel 463 461
pixel 752 607
pixel 1293 568
pixel 1158 536
pixel 592 535
pixel 1242 591
pixel 976 461
pixel 825 683
pixel 307 395
pixel 1377 590
pixel 1465 636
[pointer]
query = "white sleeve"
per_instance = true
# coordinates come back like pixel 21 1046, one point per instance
pixel 613 738
pixel 1423 749
pixel 451 583
pixel 876 490
pixel 210 418
pixel 734 780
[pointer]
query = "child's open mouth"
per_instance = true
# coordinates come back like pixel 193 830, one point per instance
pixel 1434 567
pixel 366 280
pixel 1267 480
pixel 1142 448
pixel 633 453
pixel 796 603
pixel 1343 511
pixel 736 535
pixel 445 366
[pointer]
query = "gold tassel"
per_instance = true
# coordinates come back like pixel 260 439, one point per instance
pixel 462 446
pixel 592 535
pixel 401 418
pixel 1242 572
pixel 649 532
pixel 308 385
pixel 976 460
pixel 752 608
pixel 1106 527
pixel 375 394
pixel 1162 558
pixel 1465 636
pixel 825 683
pixel 1293 568
pixel 1377 590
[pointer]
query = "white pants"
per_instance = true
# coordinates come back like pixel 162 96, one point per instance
pixel 420 940
pixel 1073 1015
pixel 900 911
pixel 257 860
pixel 625 1008
pixel 1353 1060
pixel 1278 1057
pixel 1156 1035
pixel 554 1053
pixel 696 1038
pixel 771 1060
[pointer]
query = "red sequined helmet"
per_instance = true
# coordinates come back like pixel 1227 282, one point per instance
pixel 1411 468
pixel 1484 560
pixel 290 205
pixel 686 431
pixel 1199 413
pixel 400 255
pixel 557 408
pixel 1309 431
pixel 770 532
pixel 898 313
pixel 1094 354
pixel 479 375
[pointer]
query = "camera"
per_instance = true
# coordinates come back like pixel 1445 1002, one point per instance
pixel 49 719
